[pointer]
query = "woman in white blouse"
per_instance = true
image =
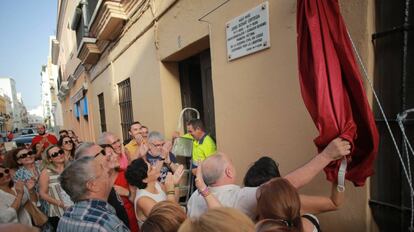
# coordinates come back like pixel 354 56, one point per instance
pixel 13 198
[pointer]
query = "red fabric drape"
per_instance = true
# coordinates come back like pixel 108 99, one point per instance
pixel 332 88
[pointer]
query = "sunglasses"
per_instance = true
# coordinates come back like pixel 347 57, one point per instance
pixel 25 155
pixel 6 172
pixel 56 154
pixel 102 152
pixel 67 142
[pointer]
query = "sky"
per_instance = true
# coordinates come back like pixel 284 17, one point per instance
pixel 24 43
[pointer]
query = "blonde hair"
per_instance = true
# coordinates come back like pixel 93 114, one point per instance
pixel 165 216
pixel 46 163
pixel 219 219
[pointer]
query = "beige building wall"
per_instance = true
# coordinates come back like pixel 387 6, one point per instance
pixel 258 106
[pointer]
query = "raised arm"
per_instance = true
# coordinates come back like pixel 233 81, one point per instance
pixel 210 199
pixel 336 149
pixel 320 204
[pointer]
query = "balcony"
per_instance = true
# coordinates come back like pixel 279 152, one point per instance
pixel 88 52
pixel 109 20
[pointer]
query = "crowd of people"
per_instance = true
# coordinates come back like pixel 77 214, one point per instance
pixel 70 185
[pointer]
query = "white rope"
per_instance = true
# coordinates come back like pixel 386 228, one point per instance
pixel 400 118
pixel 382 111
pixel 407 175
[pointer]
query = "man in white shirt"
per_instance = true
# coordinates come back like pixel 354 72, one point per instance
pixel 220 175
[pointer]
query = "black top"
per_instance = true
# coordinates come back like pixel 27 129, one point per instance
pixel 115 201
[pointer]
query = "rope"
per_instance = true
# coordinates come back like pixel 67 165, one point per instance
pixel 400 118
pixel 407 175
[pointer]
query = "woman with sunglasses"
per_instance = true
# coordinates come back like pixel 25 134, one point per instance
pixel 13 198
pixel 50 191
pixel 67 145
pixel 74 138
pixel 28 168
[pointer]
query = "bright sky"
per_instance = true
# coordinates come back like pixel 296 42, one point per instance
pixel 25 29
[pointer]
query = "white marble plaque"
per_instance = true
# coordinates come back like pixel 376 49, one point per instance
pixel 248 33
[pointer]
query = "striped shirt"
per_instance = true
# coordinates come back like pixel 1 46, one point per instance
pixel 91 216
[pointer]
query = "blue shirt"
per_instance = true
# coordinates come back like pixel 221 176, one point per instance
pixel 164 169
pixel 91 216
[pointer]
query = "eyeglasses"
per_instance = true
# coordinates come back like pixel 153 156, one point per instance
pixel 101 152
pixel 157 145
pixel 116 141
pixel 67 142
pixel 25 155
pixel 56 154
pixel 6 172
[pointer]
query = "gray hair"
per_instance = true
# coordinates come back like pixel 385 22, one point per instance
pixel 154 136
pixel 103 138
pixel 82 149
pixel 213 168
pixel 74 178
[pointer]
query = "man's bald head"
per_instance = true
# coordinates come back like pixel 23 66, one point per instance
pixel 214 168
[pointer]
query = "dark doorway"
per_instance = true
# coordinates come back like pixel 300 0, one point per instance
pixel 197 89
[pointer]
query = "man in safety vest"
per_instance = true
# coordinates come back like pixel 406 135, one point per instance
pixel 203 145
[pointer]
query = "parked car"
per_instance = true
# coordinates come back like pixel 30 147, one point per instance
pixel 28 131
pixel 26 137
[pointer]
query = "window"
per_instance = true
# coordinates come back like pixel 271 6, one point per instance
pixel 101 103
pixel 80 21
pixel 125 106
pixel 390 196
pixel 76 111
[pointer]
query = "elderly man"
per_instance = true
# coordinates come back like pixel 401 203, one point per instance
pixel 88 183
pixel 88 149
pixel 157 149
pixel 110 139
pixel 219 173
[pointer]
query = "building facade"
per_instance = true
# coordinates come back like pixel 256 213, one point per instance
pixel 136 60
pixel 6 120
pixel 51 107
pixel 8 85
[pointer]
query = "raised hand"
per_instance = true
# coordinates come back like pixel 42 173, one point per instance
pixel 166 148
pixel 178 174
pixel 199 181
pixel 169 182
pixel 19 187
pixel 30 183
pixel 337 148
pixel 139 139
pixel 143 150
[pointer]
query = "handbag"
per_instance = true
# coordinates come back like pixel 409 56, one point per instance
pixel 38 217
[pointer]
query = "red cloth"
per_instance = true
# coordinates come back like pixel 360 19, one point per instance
pixel 332 88
pixel 129 207
pixel 51 140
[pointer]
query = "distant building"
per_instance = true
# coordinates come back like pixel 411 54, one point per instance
pixel 21 111
pixel 5 112
pixel 35 116
pixel 51 107
pixel 8 85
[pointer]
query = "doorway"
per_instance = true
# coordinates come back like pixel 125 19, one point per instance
pixel 197 89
